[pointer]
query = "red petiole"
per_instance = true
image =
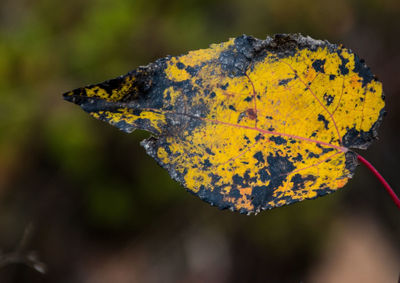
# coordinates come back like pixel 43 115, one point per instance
pixel 381 179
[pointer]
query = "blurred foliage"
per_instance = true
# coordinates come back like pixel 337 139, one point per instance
pixel 73 175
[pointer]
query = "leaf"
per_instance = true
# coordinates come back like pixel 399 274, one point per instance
pixel 249 124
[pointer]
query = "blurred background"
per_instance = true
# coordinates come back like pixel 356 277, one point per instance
pixel 100 210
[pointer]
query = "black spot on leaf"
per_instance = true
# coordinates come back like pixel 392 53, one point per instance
pixel 300 181
pixel 323 119
pixel 259 156
pixel 342 67
pixel 318 65
pixel 299 157
pixel 363 71
pixel 264 174
pixel 278 140
pixel 279 167
pixel 225 86
pixel 235 193
pixel 328 99
pixel 261 195
pixel 206 164
pixel 285 81
pixel 313 155
pixel 180 65
pixel 259 137
pixel 238 180
pixel 209 151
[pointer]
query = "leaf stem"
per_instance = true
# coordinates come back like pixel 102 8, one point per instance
pixel 381 179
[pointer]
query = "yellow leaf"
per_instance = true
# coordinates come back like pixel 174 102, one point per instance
pixel 249 124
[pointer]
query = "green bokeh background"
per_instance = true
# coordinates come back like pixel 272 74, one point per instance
pixel 94 196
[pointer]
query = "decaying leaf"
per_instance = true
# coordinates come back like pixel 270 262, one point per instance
pixel 249 124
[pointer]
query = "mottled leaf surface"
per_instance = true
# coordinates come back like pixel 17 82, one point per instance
pixel 249 124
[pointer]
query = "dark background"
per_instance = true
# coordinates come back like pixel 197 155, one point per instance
pixel 103 211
